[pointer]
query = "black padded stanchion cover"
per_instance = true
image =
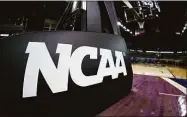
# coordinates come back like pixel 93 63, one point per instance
pixel 77 100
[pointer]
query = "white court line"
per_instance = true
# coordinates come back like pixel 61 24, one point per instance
pixel 175 84
pixel 154 74
pixel 171 94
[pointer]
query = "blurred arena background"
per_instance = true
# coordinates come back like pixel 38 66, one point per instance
pixel 155 33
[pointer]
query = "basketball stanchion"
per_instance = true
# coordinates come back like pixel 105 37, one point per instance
pixel 63 73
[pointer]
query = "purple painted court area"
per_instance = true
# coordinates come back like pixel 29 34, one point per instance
pixel 146 100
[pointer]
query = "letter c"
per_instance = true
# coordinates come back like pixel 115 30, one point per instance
pixel 75 68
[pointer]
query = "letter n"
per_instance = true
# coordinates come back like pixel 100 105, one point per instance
pixel 39 59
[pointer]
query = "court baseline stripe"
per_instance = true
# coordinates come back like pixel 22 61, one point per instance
pixel 171 94
pixel 175 84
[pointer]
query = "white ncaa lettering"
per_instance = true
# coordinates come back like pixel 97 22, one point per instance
pixel 39 59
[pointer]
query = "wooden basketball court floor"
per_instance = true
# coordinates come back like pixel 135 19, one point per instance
pixel 162 71
pixel 153 94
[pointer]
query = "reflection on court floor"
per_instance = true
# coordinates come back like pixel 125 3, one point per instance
pixel 159 70
pixel 150 96
pixel 153 93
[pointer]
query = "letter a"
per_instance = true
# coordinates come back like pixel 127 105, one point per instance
pixel 119 58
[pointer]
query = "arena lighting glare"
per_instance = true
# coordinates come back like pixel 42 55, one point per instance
pixel 127 3
pixel 157 5
pixel 84 5
pixel 150 51
pixel 4 35
pixel 166 52
pixel 132 50
pixel 118 23
pixel 178 33
pixel 74 6
pixel 179 52
pixel 126 29
pixel 162 52
pixel 182 106
pixel 139 50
